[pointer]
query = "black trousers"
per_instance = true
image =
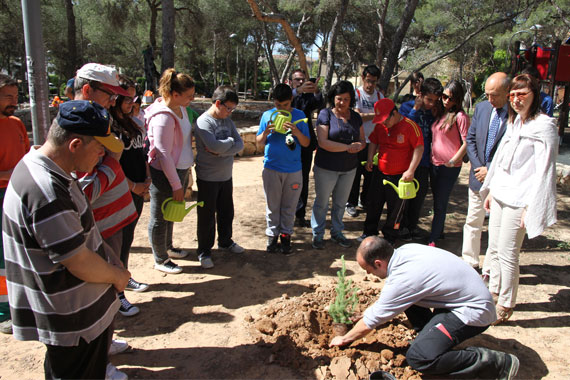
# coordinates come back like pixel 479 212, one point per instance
pixel 218 208
pixel 84 361
pixel 306 162
pixel 414 205
pixel 380 194
pixel 360 171
pixel 439 331
pixel 129 231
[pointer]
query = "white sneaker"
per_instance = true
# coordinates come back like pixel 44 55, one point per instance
pixel 234 248
pixel 168 267
pixel 127 309
pixel 118 346
pixel 177 253
pixel 206 262
pixel 112 373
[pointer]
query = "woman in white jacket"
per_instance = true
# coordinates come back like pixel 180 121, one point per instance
pixel 520 189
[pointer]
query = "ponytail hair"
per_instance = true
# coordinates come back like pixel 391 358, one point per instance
pixel 171 81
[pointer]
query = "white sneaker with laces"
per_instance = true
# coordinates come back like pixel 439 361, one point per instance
pixel 118 346
pixel 235 248
pixel 168 267
pixel 206 262
pixel 136 286
pixel 127 309
pixel 112 373
pixel 177 253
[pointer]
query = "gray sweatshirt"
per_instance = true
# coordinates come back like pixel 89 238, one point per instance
pixel 432 278
pixel 222 141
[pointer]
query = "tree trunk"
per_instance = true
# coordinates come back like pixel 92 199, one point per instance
pixel 258 43
pixel 215 59
pixel 168 36
pixel 153 6
pixel 459 46
pixel 381 32
pixel 269 56
pixel 291 56
pixel 394 53
pixel 293 39
pixel 71 61
pixel 332 42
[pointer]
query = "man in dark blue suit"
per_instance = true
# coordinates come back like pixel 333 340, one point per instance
pixel 486 130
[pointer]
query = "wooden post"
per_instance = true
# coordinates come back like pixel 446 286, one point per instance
pixel 563 115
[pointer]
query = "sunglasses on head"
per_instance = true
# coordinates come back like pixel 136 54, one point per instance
pixel 520 95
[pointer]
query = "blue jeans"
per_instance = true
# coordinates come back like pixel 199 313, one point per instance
pixel 338 184
pixel 442 180
pixel 160 230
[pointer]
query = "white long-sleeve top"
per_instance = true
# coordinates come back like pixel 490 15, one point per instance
pixel 432 278
pixel 523 172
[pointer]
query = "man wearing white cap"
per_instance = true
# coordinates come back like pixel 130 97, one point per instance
pixel 98 83
pixel 106 186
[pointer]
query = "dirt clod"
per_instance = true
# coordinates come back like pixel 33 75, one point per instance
pixel 299 331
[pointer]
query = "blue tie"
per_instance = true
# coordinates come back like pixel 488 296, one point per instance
pixel 493 129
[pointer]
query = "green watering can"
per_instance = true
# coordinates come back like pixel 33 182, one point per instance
pixel 374 161
pixel 282 118
pixel 405 189
pixel 175 211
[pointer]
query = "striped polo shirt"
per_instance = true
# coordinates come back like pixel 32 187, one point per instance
pixel 107 189
pixel 47 219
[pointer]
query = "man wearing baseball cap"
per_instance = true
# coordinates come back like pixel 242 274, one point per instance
pixel 399 144
pixel 98 83
pixel 62 284
pixel 106 186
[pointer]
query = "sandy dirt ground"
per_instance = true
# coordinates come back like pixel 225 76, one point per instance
pixel 209 324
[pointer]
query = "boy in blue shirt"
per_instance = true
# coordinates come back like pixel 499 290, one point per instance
pixel 282 176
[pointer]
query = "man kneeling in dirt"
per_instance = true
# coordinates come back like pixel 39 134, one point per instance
pixel 444 299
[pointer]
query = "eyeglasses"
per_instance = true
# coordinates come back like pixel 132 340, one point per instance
pixel 128 100
pixel 299 79
pixel 520 95
pixel 112 96
pixel 230 110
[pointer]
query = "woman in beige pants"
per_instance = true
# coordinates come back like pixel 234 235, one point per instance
pixel 520 189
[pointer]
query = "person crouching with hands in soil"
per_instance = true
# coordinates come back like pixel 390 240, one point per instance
pixel 444 299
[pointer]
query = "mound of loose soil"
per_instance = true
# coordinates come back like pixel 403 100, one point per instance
pixel 299 329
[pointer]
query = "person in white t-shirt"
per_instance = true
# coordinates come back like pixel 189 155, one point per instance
pixel 366 96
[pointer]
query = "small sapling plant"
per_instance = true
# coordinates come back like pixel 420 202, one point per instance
pixel 346 300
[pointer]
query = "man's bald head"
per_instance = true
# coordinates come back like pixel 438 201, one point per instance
pixel 496 89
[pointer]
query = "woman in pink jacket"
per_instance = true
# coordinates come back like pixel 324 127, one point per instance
pixel 170 157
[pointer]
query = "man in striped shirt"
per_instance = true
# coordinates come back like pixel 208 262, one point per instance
pixel 62 283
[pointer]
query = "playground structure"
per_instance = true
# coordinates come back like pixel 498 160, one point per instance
pixel 553 64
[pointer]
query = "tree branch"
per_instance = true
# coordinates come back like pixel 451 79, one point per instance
pixel 295 42
pixel 456 47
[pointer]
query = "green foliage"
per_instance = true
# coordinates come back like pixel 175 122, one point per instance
pixel 346 300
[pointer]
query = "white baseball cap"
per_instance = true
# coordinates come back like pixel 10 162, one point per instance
pixel 106 75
